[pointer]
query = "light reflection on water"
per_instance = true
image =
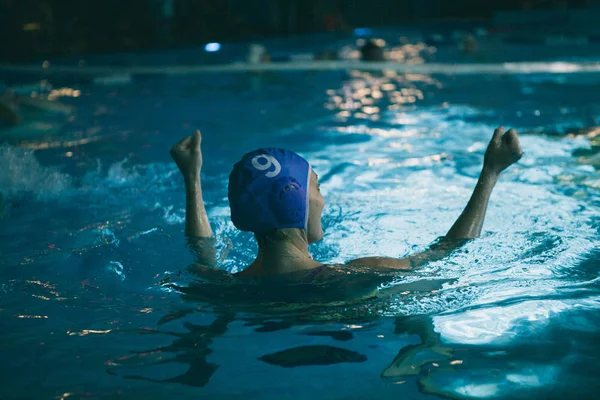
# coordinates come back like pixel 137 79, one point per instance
pixel 504 315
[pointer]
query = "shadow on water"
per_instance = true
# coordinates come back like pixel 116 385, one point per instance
pixel 541 364
pixel 193 346
pixel 320 310
pixel 190 348
pixel 528 364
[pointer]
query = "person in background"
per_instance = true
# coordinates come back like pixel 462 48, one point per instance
pixel 275 194
pixel 257 54
pixel 469 44
pixel 371 51
pixel 11 104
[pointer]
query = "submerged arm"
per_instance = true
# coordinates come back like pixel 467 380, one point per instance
pixel 188 157
pixel 503 151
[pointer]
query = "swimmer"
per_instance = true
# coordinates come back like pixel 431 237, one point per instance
pixel 258 54
pixel 11 103
pixel 275 194
pixel 469 44
pixel 371 51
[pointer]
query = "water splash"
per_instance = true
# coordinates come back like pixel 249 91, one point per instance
pixel 22 175
pixel 117 268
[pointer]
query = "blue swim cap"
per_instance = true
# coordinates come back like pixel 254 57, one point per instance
pixel 268 190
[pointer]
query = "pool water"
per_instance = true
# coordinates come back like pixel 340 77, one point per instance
pixel 92 248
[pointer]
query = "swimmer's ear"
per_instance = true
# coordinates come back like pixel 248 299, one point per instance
pixel 196 140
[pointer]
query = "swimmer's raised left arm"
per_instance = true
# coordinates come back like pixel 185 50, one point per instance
pixel 188 157
pixel 502 151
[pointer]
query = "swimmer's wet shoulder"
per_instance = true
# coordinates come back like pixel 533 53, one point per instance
pixel 275 194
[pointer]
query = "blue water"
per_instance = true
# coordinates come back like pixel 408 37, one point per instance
pixel 92 248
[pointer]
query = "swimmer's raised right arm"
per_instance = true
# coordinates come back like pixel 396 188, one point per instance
pixel 188 157
pixel 502 151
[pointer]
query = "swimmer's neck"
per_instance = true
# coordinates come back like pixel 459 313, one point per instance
pixel 280 258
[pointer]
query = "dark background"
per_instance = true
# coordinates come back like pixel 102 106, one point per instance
pixel 32 29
